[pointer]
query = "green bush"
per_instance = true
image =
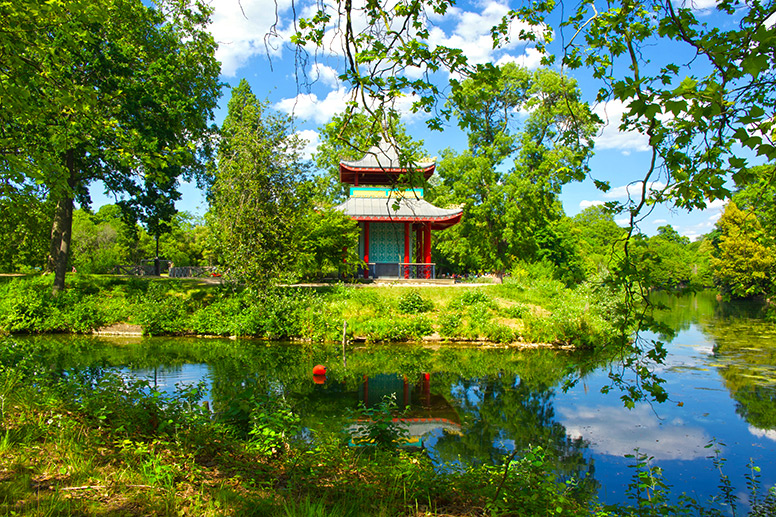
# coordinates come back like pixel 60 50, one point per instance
pixel 412 302
pixel 450 324
pixel 219 318
pixel 517 311
pixel 471 297
pixel 397 329
pixel 160 311
pixel 500 334
pixel 25 307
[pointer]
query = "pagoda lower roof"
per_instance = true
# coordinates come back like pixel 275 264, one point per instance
pixel 400 210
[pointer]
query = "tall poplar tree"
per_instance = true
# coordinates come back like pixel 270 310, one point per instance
pixel 260 195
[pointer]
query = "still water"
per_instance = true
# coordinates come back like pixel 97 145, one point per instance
pixel 471 405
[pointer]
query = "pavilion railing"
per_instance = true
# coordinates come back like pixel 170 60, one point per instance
pixel 417 270
pixel 194 271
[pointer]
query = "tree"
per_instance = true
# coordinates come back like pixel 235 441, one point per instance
pixel 329 244
pixel 743 262
pixel 260 197
pixel 514 214
pixel 111 90
pixel 25 221
pixel 100 241
pixel 598 239
pixel 759 196
pixel 708 94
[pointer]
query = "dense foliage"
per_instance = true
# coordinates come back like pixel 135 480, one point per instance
pixel 530 309
pixel 114 90
pixel 264 226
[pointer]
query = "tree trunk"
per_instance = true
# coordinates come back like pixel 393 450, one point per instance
pixel 61 230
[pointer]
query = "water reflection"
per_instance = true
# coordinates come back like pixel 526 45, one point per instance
pixel 479 405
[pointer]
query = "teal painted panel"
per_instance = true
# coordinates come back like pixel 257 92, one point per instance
pixel 386 242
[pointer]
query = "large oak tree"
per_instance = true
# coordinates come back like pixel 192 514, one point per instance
pixel 110 90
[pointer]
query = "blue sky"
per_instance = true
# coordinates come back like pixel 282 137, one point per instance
pixel 241 28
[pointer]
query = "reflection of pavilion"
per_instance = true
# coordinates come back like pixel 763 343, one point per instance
pixel 423 412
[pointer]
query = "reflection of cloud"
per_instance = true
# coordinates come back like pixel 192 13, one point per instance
pixel 763 433
pixel 617 431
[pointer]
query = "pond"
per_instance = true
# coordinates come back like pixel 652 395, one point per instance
pixel 473 405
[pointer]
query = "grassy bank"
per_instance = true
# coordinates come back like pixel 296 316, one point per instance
pixel 528 310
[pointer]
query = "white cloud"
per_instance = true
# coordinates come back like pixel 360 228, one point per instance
pixel 308 106
pixel 623 221
pixel 586 204
pixel 240 27
pixel 611 137
pixel 633 190
pixel 472 35
pixel 326 74
pixel 699 5
pixel 612 431
pixel 312 139
pixel 531 59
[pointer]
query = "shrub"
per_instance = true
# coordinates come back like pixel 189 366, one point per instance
pixel 500 333
pixel 412 302
pixel 517 311
pixel 450 324
pixel 397 329
pixel 159 312
pixel 471 297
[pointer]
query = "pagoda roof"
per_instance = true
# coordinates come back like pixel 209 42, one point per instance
pixel 380 166
pixel 400 210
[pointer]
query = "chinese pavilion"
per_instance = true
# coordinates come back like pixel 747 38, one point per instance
pixel 396 224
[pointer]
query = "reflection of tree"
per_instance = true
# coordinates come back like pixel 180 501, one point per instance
pixel 757 405
pixel 677 311
pixel 501 395
pixel 504 413
pixel 745 353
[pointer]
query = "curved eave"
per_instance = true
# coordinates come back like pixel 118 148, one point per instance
pixel 440 223
pixel 378 176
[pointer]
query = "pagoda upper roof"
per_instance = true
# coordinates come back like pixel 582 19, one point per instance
pixel 381 165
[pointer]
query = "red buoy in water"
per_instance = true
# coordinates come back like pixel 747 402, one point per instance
pixel 319 369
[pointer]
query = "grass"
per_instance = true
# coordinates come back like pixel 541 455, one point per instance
pixel 71 467
pixel 528 310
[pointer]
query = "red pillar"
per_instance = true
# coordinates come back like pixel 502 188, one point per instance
pixel 427 389
pixel 418 243
pixel 406 249
pixel 366 248
pixel 427 248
